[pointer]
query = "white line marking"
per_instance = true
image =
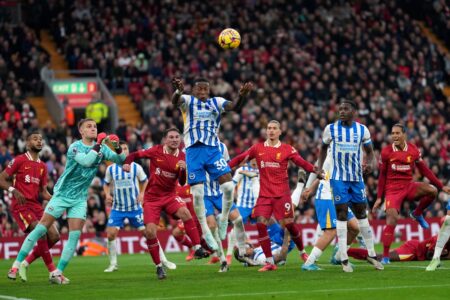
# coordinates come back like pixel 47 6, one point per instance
pixel 6 297
pixel 300 292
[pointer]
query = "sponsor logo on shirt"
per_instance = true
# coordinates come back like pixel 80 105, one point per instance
pixel 401 167
pixel 269 164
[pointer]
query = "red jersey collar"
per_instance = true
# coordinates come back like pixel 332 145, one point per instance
pixel 167 152
pixel 28 155
pixel 278 145
pixel 404 148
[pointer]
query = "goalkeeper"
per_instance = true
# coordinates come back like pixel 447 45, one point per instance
pixel 70 193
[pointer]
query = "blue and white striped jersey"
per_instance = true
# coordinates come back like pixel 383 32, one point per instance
pixel 260 257
pixel 248 188
pixel 201 119
pixel 212 187
pixel 126 186
pixel 346 149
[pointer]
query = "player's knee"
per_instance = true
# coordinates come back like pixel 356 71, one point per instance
pixel 53 237
pixel 432 190
pixel 227 187
pixel 150 232
pixel 262 220
pixel 236 220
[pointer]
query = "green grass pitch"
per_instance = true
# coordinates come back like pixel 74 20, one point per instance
pixel 136 279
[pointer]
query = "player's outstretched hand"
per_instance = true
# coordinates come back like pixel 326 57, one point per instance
pixel 446 189
pixel 377 205
pixel 245 89
pixel 19 196
pixel 320 173
pixel 178 84
pixel 100 137
pixel 126 168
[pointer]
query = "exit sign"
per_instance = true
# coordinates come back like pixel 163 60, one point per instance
pixel 74 87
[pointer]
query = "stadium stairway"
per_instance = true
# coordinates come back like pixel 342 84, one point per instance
pixel 127 110
pixel 57 61
pixel 435 40
pixel 41 110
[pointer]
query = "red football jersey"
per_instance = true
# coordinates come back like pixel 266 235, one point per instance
pixel 398 165
pixel 184 192
pixel 29 175
pixel 273 165
pixel 164 171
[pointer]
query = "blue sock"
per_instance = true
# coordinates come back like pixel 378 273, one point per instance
pixel 30 241
pixel 69 249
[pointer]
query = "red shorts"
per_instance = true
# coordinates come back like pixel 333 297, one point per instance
pixel 26 214
pixel 408 251
pixel 281 207
pixel 395 197
pixel 152 208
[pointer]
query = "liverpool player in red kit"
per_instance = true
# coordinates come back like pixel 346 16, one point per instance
pixel 413 250
pixel 167 166
pixel 29 175
pixel 272 158
pixel 395 184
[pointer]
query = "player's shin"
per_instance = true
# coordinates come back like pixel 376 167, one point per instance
pixel 296 235
pixel 45 254
pixel 220 251
pixel 153 249
pixel 424 203
pixel 227 202
pixel 112 251
pixel 29 242
pixel 69 249
pixel 264 241
pixel 314 256
pixel 36 253
pixel 443 236
pixel 367 234
pixel 240 235
pixel 341 231
pixel 231 242
pixel 387 239
pixel 192 232
pixel 199 206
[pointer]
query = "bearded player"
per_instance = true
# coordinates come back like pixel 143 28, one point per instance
pixel 395 184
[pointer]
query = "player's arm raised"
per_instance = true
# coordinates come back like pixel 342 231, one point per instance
pixel 307 166
pixel 87 159
pixel 149 153
pixel 242 100
pixel 179 89
pixel 6 184
pixel 244 156
pixel 381 181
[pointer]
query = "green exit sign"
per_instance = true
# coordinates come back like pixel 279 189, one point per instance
pixel 75 87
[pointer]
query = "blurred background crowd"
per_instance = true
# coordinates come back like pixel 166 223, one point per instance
pixel 303 56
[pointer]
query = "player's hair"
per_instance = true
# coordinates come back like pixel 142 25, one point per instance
pixel 33 133
pixel 401 126
pixel 82 121
pixel 201 80
pixel 274 122
pixel 122 142
pixel 166 132
pixel 349 102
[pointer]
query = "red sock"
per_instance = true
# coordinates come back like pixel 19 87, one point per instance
pixel 264 239
pixel 191 231
pixel 184 240
pixel 358 253
pixel 424 202
pixel 296 235
pixel 42 246
pixel 387 239
pixel 153 249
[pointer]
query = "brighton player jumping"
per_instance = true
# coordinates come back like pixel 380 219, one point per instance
pixel 202 114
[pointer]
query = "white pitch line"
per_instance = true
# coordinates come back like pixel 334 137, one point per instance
pixel 298 292
pixel 6 297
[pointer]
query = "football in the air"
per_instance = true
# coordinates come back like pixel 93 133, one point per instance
pixel 229 38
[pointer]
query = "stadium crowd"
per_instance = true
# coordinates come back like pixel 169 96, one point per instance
pixel 302 65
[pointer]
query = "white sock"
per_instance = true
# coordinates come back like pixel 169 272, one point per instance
pixel 443 236
pixel 227 200
pixel 341 230
pixel 220 251
pixel 295 197
pixel 366 232
pixel 270 260
pixel 314 256
pixel 16 264
pixel 241 237
pixel 199 205
pixel 112 250
pixel 231 241
pixel 162 255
